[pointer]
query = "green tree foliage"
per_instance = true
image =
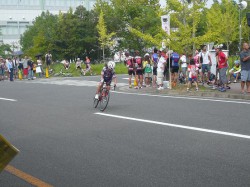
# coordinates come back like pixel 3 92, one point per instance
pixel 222 19
pixel 105 39
pixel 40 36
pixel 3 48
pixel 66 35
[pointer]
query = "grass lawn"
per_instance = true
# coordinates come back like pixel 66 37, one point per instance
pixel 120 68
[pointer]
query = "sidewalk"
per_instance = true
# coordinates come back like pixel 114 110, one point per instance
pixel 204 91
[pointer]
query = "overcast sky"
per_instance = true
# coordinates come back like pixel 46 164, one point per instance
pixel 209 3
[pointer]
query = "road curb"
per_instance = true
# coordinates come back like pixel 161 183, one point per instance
pixel 212 93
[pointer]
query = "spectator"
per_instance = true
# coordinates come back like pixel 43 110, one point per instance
pixel 174 67
pixel 183 61
pixel 20 69
pixel 10 68
pixel 245 68
pixel 2 69
pixel 130 65
pixel 148 69
pixel 206 63
pixel 30 69
pixel 235 71
pixel 192 74
pixel 78 63
pixel 222 66
pixel 66 64
pixel 40 67
pixel 138 69
pixel 15 65
pixel 155 59
pixel 48 59
pixel 25 67
pixel 88 67
pixel 160 70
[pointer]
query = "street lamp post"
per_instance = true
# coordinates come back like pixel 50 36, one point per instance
pixel 242 5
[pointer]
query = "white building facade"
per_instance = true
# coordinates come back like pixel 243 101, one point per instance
pixel 16 15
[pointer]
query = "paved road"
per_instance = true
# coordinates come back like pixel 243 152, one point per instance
pixel 144 140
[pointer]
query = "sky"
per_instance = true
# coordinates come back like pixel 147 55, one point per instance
pixel 209 3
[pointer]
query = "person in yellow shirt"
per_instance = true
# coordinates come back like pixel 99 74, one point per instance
pixel 235 71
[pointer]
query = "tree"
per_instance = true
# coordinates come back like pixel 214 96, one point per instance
pixel 222 19
pixel 105 39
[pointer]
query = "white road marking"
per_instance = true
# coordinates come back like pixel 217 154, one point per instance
pixel 178 126
pixel 6 99
pixel 71 82
pixel 188 98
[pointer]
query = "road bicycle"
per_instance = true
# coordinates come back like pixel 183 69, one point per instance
pixel 103 99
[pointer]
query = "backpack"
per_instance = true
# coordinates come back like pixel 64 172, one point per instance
pixel 130 64
pixel 138 61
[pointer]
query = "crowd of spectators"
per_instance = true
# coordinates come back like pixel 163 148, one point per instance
pixel 153 69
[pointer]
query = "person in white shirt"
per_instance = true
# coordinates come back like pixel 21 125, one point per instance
pixel 160 70
pixel 183 61
pixel 10 68
pixel 206 62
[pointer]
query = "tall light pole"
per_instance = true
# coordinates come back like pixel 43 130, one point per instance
pixel 242 5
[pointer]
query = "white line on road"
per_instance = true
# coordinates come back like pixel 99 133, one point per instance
pixel 177 126
pixel 188 98
pixel 6 99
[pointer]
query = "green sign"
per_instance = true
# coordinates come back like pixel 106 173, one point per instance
pixel 7 152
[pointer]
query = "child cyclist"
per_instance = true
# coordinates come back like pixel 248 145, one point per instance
pixel 108 74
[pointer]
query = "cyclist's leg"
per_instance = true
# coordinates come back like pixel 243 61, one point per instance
pixel 100 85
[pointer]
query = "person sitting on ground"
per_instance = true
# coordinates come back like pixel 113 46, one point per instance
pixel 88 67
pixel 192 74
pixel 235 71
pixel 78 64
pixel 107 75
pixel 66 64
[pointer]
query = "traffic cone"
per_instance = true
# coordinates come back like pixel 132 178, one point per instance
pixel 47 73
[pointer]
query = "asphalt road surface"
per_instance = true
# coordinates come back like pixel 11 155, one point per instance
pixel 140 140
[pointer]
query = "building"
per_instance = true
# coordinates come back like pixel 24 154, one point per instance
pixel 16 15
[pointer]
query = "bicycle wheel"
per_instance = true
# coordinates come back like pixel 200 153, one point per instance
pixel 104 100
pixel 95 103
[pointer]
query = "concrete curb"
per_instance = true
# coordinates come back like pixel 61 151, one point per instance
pixel 210 93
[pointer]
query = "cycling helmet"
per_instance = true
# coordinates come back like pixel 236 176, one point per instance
pixel 111 65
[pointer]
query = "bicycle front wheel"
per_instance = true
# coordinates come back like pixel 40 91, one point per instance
pixel 96 101
pixel 104 101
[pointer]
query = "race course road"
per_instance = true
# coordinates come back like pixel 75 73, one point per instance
pixel 139 140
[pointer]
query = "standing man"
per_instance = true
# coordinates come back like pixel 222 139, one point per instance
pixel 175 57
pixel 25 67
pixel 245 68
pixel 48 59
pixel 139 69
pixel 160 70
pixel 183 61
pixel 130 65
pixel 10 68
pixel 222 66
pixel 206 62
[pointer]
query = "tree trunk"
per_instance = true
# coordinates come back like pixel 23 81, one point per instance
pixel 103 55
